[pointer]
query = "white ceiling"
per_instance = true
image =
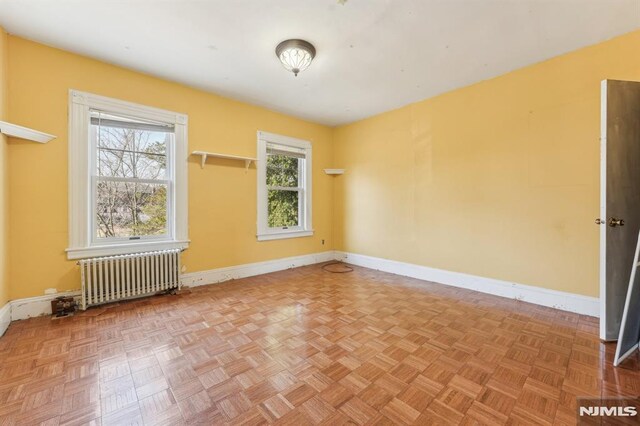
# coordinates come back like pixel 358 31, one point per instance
pixel 373 55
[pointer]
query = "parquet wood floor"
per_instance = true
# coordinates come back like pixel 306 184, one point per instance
pixel 305 346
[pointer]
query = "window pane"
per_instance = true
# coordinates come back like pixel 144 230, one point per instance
pixel 283 208
pixel 126 209
pixel 153 142
pixel 115 163
pixel 282 170
pixel 131 152
pixel 115 137
pixel 150 166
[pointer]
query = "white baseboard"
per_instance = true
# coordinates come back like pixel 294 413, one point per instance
pixel 540 296
pixel 36 306
pixel 219 275
pixel 41 305
pixel 5 317
pixel 20 309
pixel 28 307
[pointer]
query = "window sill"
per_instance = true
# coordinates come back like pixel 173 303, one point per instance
pixel 129 248
pixel 284 235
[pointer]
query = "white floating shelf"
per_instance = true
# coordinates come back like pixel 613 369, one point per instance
pixel 16 131
pixel 204 155
pixel 334 171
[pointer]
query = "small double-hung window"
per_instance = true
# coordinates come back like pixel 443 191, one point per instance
pixel 284 187
pixel 127 177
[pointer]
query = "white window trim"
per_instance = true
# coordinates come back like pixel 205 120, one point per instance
pixel 264 232
pixel 80 232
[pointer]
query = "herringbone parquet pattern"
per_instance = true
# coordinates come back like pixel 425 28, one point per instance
pixel 305 346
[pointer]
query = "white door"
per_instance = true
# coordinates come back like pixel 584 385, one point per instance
pixel 619 198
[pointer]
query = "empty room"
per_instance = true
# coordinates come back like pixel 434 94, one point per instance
pixel 319 212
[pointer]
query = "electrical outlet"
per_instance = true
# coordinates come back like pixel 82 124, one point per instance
pixel 322 242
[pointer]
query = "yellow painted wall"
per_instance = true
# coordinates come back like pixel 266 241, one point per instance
pixel 499 179
pixel 222 197
pixel 4 172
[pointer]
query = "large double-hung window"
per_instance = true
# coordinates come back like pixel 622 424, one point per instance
pixel 127 177
pixel 131 183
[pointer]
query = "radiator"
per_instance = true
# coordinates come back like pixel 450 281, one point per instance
pixel 113 278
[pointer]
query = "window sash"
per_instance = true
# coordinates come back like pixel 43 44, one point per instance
pixel 300 215
pixel 95 148
pixel 169 228
pixel 283 151
pixel 301 210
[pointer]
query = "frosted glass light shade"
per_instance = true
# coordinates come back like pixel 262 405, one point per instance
pixel 295 55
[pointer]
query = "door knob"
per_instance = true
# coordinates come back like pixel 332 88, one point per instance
pixel 600 221
pixel 613 222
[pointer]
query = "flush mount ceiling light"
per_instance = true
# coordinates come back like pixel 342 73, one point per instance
pixel 296 55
